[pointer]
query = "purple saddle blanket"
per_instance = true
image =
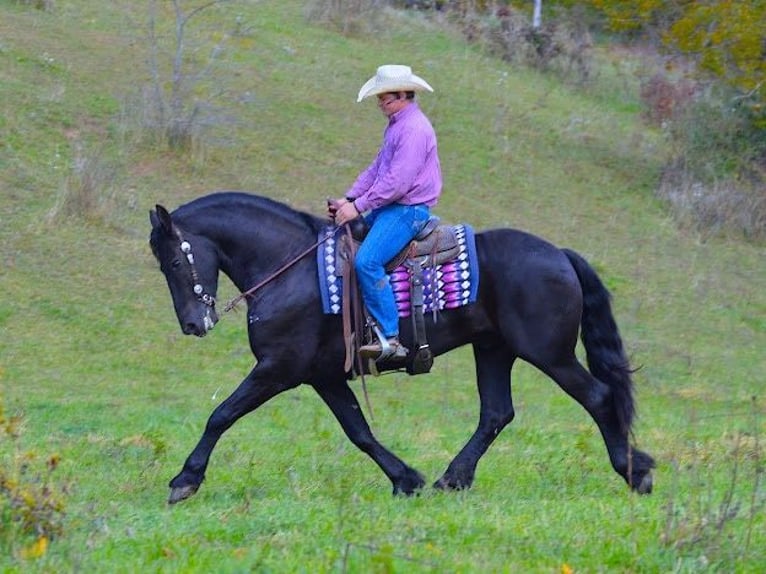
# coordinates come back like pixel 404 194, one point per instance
pixel 449 285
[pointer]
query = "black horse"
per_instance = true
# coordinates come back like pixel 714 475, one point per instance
pixel 533 299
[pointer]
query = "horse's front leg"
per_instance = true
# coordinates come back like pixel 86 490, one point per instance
pixel 257 388
pixel 344 405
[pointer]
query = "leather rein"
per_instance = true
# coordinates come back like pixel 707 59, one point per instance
pixel 234 302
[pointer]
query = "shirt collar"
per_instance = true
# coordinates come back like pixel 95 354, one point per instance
pixel 403 113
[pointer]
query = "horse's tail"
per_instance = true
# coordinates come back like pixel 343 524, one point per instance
pixel 604 350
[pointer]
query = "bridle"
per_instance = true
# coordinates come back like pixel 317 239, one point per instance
pixel 199 290
pixel 210 301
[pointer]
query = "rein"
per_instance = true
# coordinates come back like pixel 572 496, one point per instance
pixel 234 302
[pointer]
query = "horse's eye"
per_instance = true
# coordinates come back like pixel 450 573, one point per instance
pixel 175 263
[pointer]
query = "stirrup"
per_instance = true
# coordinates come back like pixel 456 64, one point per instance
pixel 387 350
pixel 397 351
pixel 383 349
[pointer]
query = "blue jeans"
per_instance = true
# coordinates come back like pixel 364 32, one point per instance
pixel 392 227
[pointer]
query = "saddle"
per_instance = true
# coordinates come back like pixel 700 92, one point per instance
pixel 433 245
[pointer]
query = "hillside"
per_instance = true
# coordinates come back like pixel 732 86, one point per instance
pixel 93 359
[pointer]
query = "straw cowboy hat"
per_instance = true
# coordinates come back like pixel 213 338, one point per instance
pixel 392 78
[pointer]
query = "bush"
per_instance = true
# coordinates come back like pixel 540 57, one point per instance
pixel 717 529
pixel 716 179
pixel 348 17
pixel 176 108
pixel 718 139
pixel 559 46
pixel 726 205
pixel 664 99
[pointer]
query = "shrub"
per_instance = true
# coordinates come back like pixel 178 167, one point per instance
pixel 664 99
pixel 348 17
pixel 716 180
pixel 177 107
pixel 718 138
pixel 558 46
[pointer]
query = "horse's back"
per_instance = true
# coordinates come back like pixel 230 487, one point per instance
pixel 517 255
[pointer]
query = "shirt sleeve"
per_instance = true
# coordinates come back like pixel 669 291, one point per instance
pixel 365 179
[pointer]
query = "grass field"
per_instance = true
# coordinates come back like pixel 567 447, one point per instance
pixel 110 397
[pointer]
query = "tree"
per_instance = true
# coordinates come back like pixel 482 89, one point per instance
pixel 537 14
pixel 726 38
pixel 176 116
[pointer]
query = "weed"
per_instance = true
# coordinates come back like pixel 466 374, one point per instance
pixel 31 505
pixel 703 523
pixel 87 190
pixel 716 180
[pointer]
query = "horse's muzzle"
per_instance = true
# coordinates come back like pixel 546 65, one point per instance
pixel 199 327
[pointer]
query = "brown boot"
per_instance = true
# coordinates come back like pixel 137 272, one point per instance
pixel 393 350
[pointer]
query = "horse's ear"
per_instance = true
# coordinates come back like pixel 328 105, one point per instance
pixel 161 218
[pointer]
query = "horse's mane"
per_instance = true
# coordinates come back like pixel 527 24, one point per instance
pixel 241 203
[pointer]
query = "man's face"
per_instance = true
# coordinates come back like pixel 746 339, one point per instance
pixel 391 102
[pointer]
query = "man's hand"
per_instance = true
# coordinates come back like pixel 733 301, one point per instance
pixel 345 212
pixel 333 205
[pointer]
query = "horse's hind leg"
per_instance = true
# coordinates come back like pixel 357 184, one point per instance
pixel 493 370
pixel 342 402
pixel 598 399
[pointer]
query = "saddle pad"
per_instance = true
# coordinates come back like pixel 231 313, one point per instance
pixel 452 284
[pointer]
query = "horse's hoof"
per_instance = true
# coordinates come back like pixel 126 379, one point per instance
pixel 646 484
pixel 179 493
pixel 457 477
pixel 445 484
pixel 410 486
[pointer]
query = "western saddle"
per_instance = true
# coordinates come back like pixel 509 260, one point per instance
pixel 433 245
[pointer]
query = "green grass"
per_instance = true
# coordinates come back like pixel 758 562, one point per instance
pixel 93 360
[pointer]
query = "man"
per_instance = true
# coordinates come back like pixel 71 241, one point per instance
pixel 397 189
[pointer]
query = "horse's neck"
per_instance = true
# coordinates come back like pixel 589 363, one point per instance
pixel 250 249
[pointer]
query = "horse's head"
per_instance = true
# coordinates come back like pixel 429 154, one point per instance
pixel 190 265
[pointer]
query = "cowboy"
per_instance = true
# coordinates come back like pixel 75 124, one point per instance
pixel 397 191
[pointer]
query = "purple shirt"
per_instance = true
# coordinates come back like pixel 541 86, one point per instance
pixel 406 169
